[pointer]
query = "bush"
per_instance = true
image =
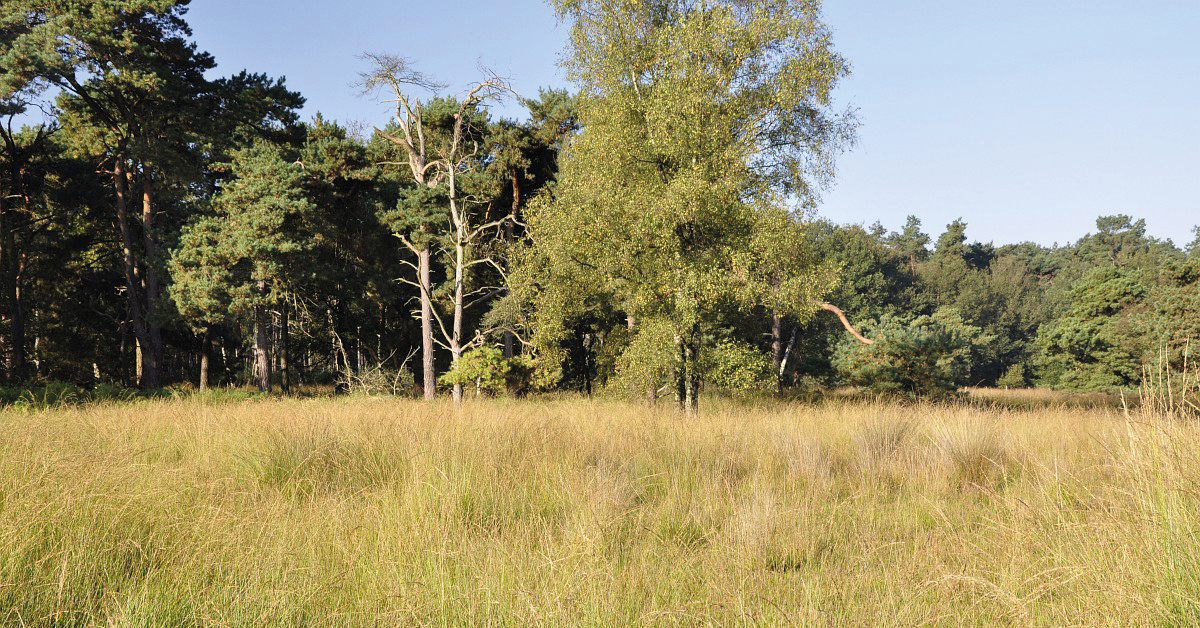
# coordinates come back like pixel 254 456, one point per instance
pixel 114 392
pixel 737 366
pixel 927 357
pixel 50 394
pixel 1014 377
pixel 381 381
pixel 54 394
pixel 489 371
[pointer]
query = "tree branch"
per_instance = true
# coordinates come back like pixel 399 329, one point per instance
pixel 846 323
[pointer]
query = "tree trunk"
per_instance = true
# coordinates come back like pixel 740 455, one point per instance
pixel 14 351
pixel 787 353
pixel 589 363
pixel 285 377
pixel 680 374
pixel 460 277
pixel 262 356
pixel 14 266
pixel 205 352
pixel 777 351
pixel 510 236
pixel 429 377
pixel 687 375
pixel 153 349
pixel 691 379
pixel 133 288
pixel 339 348
pixel 14 247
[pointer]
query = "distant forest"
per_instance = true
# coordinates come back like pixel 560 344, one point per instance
pixel 652 234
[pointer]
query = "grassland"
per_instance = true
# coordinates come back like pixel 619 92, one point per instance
pixel 568 512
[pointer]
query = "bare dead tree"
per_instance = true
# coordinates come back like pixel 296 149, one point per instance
pixel 397 76
pixel 435 169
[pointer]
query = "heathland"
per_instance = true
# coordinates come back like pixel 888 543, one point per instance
pixel 1003 509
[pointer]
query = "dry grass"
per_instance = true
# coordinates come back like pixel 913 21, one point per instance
pixel 565 512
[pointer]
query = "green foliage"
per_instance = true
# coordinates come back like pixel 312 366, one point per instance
pixel 738 366
pixel 1014 377
pixel 911 243
pixel 56 394
pixel 489 371
pixel 926 357
pixel 1091 347
pixel 247 253
pixel 1169 320
pixel 673 240
pixel 952 243
pixel 698 120
pixel 647 360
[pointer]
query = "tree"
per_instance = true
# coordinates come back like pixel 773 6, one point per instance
pixel 927 356
pixel 244 259
pixel 439 161
pixel 397 75
pixel 129 62
pixel 695 118
pixel 911 243
pixel 524 160
pixel 135 98
pixel 1089 347
pixel 783 273
pixel 23 159
pixel 952 243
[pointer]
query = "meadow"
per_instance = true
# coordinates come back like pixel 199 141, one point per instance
pixel 1020 510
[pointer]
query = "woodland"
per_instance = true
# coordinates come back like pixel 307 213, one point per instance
pixel 605 365
pixel 652 233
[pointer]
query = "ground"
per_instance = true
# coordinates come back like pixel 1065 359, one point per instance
pixel 1010 509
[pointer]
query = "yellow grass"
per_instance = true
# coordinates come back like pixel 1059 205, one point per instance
pixel 568 512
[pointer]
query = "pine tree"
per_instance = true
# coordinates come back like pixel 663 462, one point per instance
pixel 247 256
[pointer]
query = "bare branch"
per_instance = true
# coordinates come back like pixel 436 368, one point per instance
pixel 495 224
pixel 392 71
pixel 846 323
pixel 407 243
pixel 408 282
pixel 493 292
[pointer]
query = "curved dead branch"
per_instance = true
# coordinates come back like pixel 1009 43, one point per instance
pixel 828 307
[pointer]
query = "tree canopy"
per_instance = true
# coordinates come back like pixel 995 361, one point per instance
pixel 651 231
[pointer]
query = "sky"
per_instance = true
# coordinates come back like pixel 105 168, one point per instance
pixel 1027 119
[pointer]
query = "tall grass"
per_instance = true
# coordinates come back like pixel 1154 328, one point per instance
pixel 567 512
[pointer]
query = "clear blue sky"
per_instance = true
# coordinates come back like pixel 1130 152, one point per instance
pixel 1027 118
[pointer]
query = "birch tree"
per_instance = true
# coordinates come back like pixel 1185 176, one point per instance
pixel 696 115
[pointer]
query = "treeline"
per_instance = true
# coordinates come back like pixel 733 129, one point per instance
pixel 161 227
pixel 650 234
pixel 1087 316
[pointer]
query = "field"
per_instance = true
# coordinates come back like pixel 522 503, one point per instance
pixel 1020 511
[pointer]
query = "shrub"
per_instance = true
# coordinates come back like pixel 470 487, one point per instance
pixel 737 366
pixel 926 357
pixel 113 392
pixel 489 371
pixel 381 381
pixel 1014 377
